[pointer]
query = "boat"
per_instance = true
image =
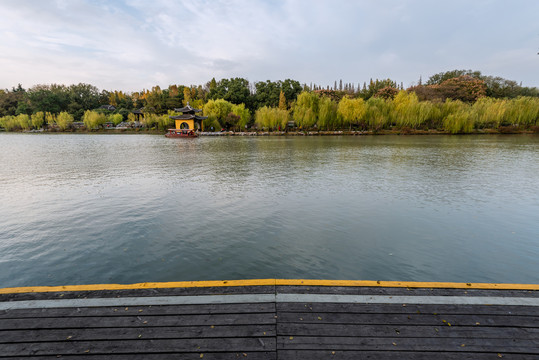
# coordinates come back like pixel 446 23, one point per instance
pixel 181 133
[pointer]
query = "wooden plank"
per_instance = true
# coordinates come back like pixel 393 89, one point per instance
pixel 408 344
pixel 139 293
pixel 15 336
pixel 410 308
pixel 344 290
pixel 381 299
pixel 410 319
pixel 139 346
pixel 393 355
pixel 140 310
pixel 248 355
pixel 421 331
pixel 137 321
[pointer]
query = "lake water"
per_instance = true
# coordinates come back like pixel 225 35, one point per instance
pixel 84 209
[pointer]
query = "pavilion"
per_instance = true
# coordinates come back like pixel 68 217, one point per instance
pixel 188 119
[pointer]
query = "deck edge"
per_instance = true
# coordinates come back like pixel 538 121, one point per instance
pixel 270 282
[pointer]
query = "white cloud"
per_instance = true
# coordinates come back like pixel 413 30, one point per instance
pixel 135 44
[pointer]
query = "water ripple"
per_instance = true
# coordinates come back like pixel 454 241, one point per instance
pixel 82 209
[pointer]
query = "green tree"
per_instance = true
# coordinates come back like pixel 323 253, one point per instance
pixel 212 85
pixel 439 78
pixel 9 101
pixel 234 90
pixel 267 93
pixel 50 98
pixel 291 89
pixel 85 96
pixel 375 86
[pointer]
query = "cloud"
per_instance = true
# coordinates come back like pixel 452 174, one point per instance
pixel 133 44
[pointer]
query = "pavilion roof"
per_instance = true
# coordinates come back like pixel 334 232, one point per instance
pixel 188 117
pixel 188 108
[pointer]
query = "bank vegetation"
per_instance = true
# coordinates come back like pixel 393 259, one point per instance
pixel 459 101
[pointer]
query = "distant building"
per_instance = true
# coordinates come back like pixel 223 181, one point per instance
pixel 78 125
pixel 107 107
pixel 188 119
pixel 138 113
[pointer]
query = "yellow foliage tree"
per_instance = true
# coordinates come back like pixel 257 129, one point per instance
pixel 38 119
pixel 282 101
pixel 351 111
pixel 64 120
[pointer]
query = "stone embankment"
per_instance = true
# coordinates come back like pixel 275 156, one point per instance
pixel 281 133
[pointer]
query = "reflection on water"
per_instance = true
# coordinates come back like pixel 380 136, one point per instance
pixel 80 209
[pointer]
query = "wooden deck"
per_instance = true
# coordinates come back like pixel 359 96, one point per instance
pixel 271 322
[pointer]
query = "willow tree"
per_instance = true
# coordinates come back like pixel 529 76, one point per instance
pixel 327 114
pixel 306 110
pixel 93 119
pixel 243 114
pixel 24 121
pixel 351 111
pixel 164 121
pixel 216 111
pixel 38 119
pixel 523 111
pixel 115 118
pixel 8 122
pixel 50 118
pixel 64 120
pixel 489 112
pixel 150 119
pixel 458 117
pixel 378 113
pixel 405 111
pixel 271 118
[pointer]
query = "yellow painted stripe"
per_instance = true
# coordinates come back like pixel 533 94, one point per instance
pixel 407 284
pixel 270 282
pixel 148 285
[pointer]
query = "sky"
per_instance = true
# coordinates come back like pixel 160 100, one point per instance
pixel 131 45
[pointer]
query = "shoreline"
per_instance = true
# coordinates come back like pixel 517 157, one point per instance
pixel 502 131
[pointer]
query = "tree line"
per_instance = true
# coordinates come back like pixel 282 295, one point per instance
pixel 457 101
